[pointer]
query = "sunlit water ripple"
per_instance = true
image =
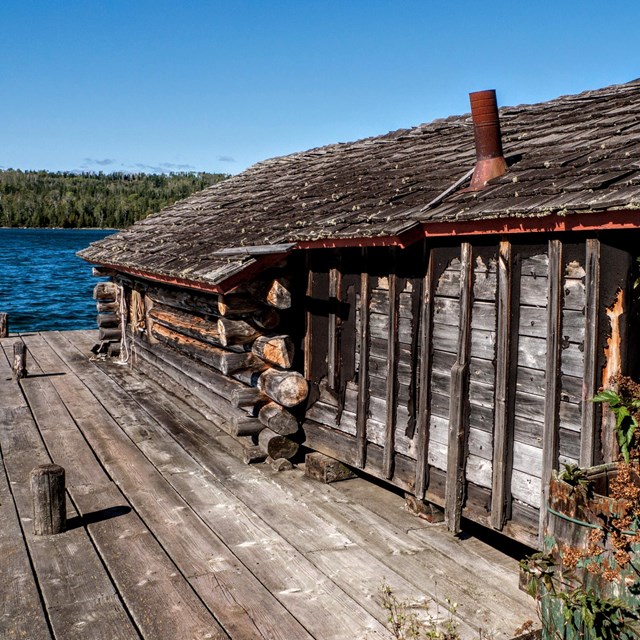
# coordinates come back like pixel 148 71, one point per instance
pixel 44 286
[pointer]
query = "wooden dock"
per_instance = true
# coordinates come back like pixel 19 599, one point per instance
pixel 171 536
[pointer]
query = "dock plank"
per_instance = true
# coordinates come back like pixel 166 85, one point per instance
pixel 157 596
pixel 278 564
pixel 271 555
pixel 284 516
pixel 79 597
pixel 21 611
pixel 244 607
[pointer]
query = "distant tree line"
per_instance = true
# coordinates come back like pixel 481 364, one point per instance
pixel 76 200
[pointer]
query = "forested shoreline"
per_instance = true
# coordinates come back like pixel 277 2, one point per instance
pixel 100 200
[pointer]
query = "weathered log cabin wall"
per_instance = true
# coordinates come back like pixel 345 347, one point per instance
pixel 458 371
pixel 462 372
pixel 231 356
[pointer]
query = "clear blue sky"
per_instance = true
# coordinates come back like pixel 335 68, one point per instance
pixel 216 86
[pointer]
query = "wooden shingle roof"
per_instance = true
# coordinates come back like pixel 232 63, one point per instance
pixel 575 154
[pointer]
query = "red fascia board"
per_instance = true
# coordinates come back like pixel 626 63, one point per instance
pixel 339 243
pixel 600 221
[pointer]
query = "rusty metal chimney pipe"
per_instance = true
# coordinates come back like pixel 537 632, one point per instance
pixel 490 161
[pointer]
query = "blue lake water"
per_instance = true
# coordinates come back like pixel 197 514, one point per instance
pixel 44 286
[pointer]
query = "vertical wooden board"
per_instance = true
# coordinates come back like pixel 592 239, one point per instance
pixel 308 335
pixel 552 400
pixel 317 311
pixel 458 417
pixel 446 336
pixel 424 396
pixel 592 304
pixel 363 364
pixel 392 381
pixel 333 328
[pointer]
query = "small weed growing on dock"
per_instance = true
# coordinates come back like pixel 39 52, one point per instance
pixel 404 623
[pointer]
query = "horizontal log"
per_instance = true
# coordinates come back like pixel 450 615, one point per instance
pixel 275 445
pixel 215 408
pixel 107 307
pixel 276 350
pixel 184 300
pixel 217 383
pixel 237 304
pixel 108 320
pixel 192 326
pixel 278 419
pixel 288 388
pixel 109 335
pixel 236 332
pixel 224 361
pixel 105 291
pixel 102 272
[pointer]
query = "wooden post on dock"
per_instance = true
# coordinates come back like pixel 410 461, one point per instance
pixel 49 502
pixel 19 360
pixel 4 325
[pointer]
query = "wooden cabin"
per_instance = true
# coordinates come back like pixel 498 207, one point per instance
pixel 435 306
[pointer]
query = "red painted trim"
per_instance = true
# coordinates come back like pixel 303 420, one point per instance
pixel 338 243
pixel 554 223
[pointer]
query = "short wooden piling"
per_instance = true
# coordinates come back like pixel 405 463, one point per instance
pixel 19 360
pixel 49 502
pixel 4 325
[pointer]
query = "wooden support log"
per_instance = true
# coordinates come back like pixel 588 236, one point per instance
pixel 107 307
pixel 49 500
pixel 325 469
pixel 234 332
pixel 4 325
pixel 279 295
pixel 275 445
pixel 109 335
pixel 19 360
pixel 105 291
pixel 108 320
pixel 224 361
pixel 278 419
pixel 276 350
pixel 288 388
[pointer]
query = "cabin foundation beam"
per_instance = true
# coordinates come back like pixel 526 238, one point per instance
pixel 325 469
